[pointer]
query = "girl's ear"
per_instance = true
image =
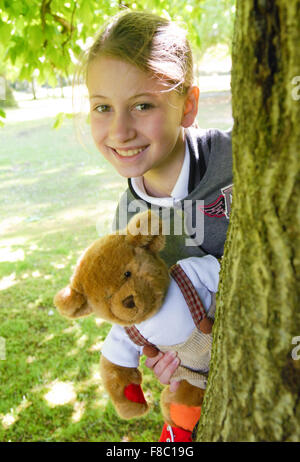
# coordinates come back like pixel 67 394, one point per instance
pixel 190 108
pixel 145 230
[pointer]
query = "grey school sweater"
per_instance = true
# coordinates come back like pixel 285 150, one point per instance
pixel 197 224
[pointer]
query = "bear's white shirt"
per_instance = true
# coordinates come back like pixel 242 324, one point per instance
pixel 173 323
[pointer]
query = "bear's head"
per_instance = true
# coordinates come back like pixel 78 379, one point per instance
pixel 120 277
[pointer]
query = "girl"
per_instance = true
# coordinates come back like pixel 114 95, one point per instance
pixel 143 104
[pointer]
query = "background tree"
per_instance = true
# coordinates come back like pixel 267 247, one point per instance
pixel 9 100
pixel 254 385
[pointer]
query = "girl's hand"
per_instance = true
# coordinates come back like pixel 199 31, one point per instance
pixel 163 365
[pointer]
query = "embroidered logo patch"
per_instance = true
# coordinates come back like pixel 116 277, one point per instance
pixel 221 206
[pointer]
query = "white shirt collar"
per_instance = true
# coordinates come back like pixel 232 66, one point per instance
pixel 179 191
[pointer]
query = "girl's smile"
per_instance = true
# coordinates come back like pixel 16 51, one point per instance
pixel 129 152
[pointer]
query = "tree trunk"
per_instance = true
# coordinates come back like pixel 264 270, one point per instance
pixel 7 98
pixel 253 391
pixel 61 84
pixel 33 88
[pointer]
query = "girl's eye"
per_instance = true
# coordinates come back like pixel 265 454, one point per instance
pixel 143 106
pixel 102 108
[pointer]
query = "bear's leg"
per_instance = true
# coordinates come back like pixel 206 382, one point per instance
pixel 182 408
pixel 123 384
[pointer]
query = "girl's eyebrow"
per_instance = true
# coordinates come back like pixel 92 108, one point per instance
pixel 147 93
pixel 97 96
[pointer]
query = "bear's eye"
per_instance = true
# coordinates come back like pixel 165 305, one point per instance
pixel 127 274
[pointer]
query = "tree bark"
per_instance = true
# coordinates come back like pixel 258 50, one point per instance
pixel 253 391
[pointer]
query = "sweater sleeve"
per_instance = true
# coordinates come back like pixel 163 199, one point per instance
pixel 119 349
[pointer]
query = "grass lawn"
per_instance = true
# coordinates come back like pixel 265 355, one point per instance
pixel 55 199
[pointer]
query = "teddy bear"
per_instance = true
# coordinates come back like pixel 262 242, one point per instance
pixel 122 279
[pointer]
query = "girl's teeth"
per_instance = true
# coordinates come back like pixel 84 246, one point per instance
pixel 133 152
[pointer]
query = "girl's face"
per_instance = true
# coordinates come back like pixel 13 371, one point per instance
pixel 135 125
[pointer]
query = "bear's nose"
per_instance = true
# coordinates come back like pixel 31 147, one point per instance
pixel 128 302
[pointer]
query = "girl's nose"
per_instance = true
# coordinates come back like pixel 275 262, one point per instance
pixel 122 128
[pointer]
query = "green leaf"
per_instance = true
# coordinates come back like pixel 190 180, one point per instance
pixel 85 12
pixel 25 73
pixel 35 37
pixel 52 80
pixel 5 32
pixel 58 120
pixel 2 113
pixel 60 117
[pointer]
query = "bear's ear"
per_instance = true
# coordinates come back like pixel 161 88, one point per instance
pixel 145 230
pixel 72 304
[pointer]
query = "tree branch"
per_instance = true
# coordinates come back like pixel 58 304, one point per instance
pixel 45 8
pixel 67 27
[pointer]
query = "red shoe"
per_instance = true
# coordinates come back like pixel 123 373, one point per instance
pixel 175 435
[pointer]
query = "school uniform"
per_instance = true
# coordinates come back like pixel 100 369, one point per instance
pixel 202 194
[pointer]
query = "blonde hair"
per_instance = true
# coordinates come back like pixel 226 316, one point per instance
pixel 152 43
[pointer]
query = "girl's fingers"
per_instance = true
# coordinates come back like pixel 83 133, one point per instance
pixel 163 365
pixel 166 366
pixel 151 362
